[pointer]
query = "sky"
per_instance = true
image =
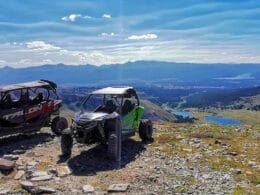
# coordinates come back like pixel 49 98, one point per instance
pixel 98 32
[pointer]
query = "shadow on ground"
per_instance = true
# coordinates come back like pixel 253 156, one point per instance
pixel 94 160
pixel 23 142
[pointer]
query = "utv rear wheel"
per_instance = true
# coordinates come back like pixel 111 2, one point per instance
pixel 66 143
pixel 146 130
pixel 112 146
pixel 58 125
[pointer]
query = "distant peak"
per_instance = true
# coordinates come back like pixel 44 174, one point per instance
pixel 60 64
pixel 7 67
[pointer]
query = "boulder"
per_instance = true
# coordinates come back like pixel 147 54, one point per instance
pixel 10 157
pixel 31 188
pixel 63 170
pixel 41 178
pixel 88 189
pixel 118 187
pixel 19 174
pixel 18 151
pixel 46 190
pixel 4 192
pixel 6 164
pixel 27 185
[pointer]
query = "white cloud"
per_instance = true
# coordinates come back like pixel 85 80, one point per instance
pixel 41 46
pixel 37 53
pixel 3 63
pixel 108 16
pixel 142 37
pixel 25 62
pixel 104 34
pixel 47 61
pixel 86 17
pixel 73 17
pixel 82 57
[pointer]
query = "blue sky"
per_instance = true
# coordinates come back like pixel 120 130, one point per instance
pixel 36 32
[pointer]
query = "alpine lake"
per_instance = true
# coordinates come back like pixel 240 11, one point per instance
pixel 215 119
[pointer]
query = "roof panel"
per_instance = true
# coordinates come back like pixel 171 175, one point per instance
pixel 23 85
pixel 113 91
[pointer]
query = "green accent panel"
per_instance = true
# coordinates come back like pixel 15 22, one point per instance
pixel 132 119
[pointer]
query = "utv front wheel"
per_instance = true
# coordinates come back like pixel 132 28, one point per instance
pixel 112 146
pixel 146 130
pixel 66 143
pixel 58 125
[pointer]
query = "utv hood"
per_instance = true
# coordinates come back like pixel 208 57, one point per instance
pixel 94 116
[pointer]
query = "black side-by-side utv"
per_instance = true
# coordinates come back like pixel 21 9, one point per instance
pixel 27 107
pixel 108 116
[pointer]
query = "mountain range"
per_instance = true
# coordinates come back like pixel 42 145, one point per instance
pixel 139 73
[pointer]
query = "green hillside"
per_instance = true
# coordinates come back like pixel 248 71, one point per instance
pixel 156 113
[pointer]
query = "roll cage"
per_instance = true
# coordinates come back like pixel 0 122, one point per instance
pixel 28 88
pixel 116 93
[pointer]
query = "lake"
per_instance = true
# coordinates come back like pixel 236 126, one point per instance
pixel 215 119
pixel 184 114
pixel 222 120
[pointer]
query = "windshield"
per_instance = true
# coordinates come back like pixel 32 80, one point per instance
pixel 92 102
pixel 101 103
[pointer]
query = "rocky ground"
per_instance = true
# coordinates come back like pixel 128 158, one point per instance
pixel 184 158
